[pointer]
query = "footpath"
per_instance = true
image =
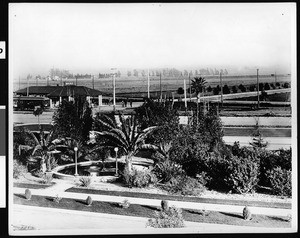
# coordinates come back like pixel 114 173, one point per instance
pixel 60 190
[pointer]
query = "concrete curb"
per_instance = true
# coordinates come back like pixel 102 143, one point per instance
pixel 134 225
pixel 156 202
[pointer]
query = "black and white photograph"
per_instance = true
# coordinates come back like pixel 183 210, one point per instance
pixel 152 118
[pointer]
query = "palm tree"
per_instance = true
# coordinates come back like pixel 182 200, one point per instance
pixel 125 135
pixel 37 112
pixel 42 150
pixel 198 84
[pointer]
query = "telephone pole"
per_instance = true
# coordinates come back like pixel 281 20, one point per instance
pixel 160 87
pixel 257 88
pixel 114 88
pixel 221 89
pixel 148 85
pixel 190 88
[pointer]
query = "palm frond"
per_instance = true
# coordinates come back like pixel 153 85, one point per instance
pixel 125 127
pixel 33 136
pixel 142 135
pixel 37 148
pixel 115 139
pixel 149 147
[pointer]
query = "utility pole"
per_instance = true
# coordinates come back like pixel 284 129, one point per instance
pixel 61 82
pixel 93 80
pixel 148 85
pixel 27 85
pixel 257 88
pixel 114 88
pixel 221 83
pixel 160 87
pixel 19 83
pixel 184 86
pixel 190 88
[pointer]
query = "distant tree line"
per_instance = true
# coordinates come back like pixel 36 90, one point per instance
pixel 172 72
pixel 240 88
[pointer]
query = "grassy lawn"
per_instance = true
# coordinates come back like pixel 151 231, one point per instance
pixel 179 198
pixel 149 211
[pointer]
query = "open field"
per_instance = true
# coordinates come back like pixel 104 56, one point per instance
pixel 133 84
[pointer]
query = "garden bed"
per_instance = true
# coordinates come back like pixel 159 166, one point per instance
pixel 149 211
pixel 32 185
pixel 180 198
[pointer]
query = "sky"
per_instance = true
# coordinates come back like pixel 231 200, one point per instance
pixel 91 37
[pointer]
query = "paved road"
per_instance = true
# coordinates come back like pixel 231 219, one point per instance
pixel 53 191
pixel 273 142
pixel 46 221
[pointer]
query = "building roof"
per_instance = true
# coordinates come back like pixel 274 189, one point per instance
pixel 60 91
pixel 71 90
pixel 39 90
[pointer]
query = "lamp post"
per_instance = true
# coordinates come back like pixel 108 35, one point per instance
pixel 114 87
pixel 76 149
pixel 116 150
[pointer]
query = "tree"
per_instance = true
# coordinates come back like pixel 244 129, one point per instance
pixel 38 110
pixel 73 119
pixel 216 90
pixel 226 89
pixel 242 88
pixel 209 89
pixel 42 150
pixel 161 115
pixel 135 73
pixel 180 91
pixel 234 89
pixel 251 88
pixel 127 137
pixel 257 140
pixel 209 127
pixel 128 73
pixel 261 86
pixel 198 85
pixel 267 86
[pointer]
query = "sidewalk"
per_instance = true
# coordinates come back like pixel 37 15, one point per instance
pixel 60 188
pixel 52 221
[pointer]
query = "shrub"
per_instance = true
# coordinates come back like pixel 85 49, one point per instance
pixel 272 159
pixel 281 181
pixel 138 178
pixel 164 205
pixel 47 179
pixel 57 199
pixel 243 177
pixel 18 170
pixel 27 194
pixel 89 201
pixel 171 218
pixel 247 213
pixel 124 204
pixel 184 185
pixel 165 170
pixel 85 181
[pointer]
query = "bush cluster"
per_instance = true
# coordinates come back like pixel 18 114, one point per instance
pixel 18 169
pixel 184 185
pixel 47 178
pixel 243 177
pixel 281 181
pixel 170 218
pixel 85 181
pixel 138 178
